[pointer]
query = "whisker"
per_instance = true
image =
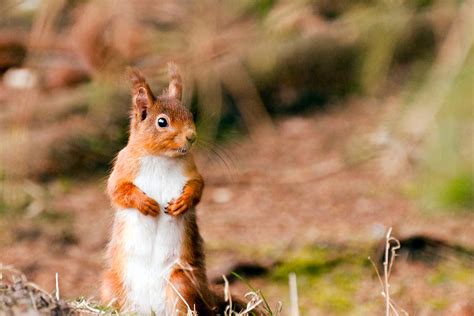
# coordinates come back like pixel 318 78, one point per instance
pixel 221 153
pixel 221 149
pixel 222 158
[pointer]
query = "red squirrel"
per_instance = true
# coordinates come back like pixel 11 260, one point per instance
pixel 155 256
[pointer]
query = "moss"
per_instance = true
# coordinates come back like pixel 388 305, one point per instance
pixel 52 216
pixel 452 273
pixel 463 275
pixel 328 277
pixel 315 266
pixel 458 191
pixel 438 278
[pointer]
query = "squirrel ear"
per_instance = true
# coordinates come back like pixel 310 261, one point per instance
pixel 175 88
pixel 142 95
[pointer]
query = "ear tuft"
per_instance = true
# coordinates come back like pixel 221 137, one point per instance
pixel 136 77
pixel 175 88
pixel 142 95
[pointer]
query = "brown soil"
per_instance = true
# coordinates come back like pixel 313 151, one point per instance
pixel 274 192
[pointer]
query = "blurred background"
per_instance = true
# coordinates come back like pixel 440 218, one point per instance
pixel 321 123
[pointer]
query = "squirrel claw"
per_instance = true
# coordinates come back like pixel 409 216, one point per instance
pixel 178 206
pixel 149 207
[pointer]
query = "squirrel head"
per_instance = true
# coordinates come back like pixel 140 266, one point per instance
pixel 161 125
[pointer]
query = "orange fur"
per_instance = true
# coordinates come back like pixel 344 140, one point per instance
pixel 112 290
pixel 123 193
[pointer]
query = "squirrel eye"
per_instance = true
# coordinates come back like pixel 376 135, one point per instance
pixel 162 122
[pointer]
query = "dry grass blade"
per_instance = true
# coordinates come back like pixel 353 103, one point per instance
pixel 253 303
pixel 391 246
pixel 57 286
pixel 87 306
pixel 254 300
pixel 227 296
pixel 294 308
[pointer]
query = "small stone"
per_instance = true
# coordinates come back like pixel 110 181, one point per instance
pixel 221 195
pixel 20 78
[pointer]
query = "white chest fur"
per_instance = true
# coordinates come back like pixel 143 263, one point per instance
pixel 152 246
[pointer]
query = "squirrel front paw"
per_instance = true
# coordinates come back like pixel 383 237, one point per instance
pixel 148 206
pixel 180 205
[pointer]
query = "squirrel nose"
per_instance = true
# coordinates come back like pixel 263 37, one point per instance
pixel 191 137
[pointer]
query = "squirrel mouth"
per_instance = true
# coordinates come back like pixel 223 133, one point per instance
pixel 182 150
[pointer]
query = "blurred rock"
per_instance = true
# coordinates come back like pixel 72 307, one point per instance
pixel 221 195
pixel 20 78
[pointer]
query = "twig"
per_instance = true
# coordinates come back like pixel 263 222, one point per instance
pixel 57 286
pixel 33 301
pixel 227 295
pixel 294 310
pixel 385 274
pixel 389 260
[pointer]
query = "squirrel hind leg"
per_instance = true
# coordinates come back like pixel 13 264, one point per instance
pixel 192 294
pixel 111 291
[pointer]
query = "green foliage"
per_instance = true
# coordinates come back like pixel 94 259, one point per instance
pixel 446 173
pixel 458 192
pixel 262 7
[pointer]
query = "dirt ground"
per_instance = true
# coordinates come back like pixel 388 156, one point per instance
pixel 270 195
